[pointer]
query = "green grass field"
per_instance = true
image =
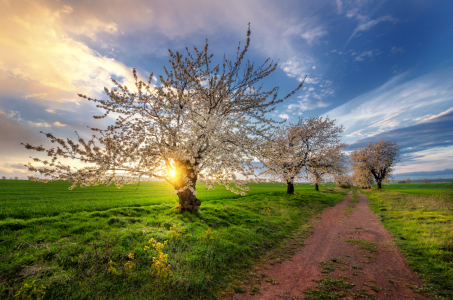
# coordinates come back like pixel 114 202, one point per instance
pixel 91 243
pixel 420 216
pixel 421 189
pixel 21 199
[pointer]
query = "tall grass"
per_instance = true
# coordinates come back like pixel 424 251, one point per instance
pixel 422 224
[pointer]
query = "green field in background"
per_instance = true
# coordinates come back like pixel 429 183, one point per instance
pixel 420 188
pixel 22 199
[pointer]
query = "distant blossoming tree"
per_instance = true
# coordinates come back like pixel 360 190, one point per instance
pixel 330 161
pixel 376 159
pixel 344 180
pixel 196 125
pixel 312 143
pixel 362 178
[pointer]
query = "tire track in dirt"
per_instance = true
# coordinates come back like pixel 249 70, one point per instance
pixel 382 273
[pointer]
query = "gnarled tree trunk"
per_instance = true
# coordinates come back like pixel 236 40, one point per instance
pixel 379 185
pixel 290 188
pixel 316 187
pixel 187 200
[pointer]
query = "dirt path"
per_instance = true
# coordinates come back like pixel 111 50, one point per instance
pixel 378 270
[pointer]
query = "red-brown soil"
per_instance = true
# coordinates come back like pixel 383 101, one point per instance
pixel 385 273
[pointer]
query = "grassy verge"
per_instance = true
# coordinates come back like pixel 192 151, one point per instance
pixel 87 250
pixel 422 224
pixel 355 195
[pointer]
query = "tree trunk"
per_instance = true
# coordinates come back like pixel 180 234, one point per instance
pixel 188 201
pixel 379 185
pixel 290 189
pixel 316 187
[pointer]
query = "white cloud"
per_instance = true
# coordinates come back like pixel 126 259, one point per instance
pixel 430 117
pixel 314 34
pixel 357 133
pixel 364 54
pixel 58 124
pixel 395 104
pixel 298 68
pixel 284 116
pixel 52 111
pixel 309 30
pixel 358 11
pixel 396 50
pixel 427 160
pixel 41 60
pixel 307 102
pixel 368 25
pixel 38 124
pixel 339 6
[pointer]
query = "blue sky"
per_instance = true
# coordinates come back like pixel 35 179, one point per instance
pixel 382 69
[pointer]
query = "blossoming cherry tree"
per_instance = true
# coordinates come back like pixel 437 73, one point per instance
pixel 195 125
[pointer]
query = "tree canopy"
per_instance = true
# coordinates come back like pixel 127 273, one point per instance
pixel 196 124
pixel 311 143
pixel 377 159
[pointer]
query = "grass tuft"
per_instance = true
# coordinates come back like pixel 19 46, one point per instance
pixel 363 244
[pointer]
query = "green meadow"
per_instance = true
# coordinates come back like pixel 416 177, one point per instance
pixel 130 243
pixel 420 216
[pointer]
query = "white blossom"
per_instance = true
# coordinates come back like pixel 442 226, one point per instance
pixel 197 124
pixel 292 152
pixel 376 159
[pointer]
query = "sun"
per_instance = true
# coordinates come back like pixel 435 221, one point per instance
pixel 172 173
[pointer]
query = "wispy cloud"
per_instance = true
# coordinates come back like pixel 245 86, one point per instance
pixel 339 6
pixel 298 68
pixel 429 143
pixel 310 30
pixel 366 54
pixel 365 26
pixel 422 136
pixel 431 118
pixel 360 11
pixel 307 102
pixel 396 50
pixel 399 102
pixel 429 160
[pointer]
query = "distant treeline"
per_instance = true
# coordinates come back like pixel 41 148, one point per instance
pixel 424 180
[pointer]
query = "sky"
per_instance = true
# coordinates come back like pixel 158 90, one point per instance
pixel 381 69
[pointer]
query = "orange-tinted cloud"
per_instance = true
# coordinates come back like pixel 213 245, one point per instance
pixel 39 58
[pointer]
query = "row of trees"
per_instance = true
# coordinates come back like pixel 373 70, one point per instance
pixel 307 150
pixel 203 122
pixel 15 178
